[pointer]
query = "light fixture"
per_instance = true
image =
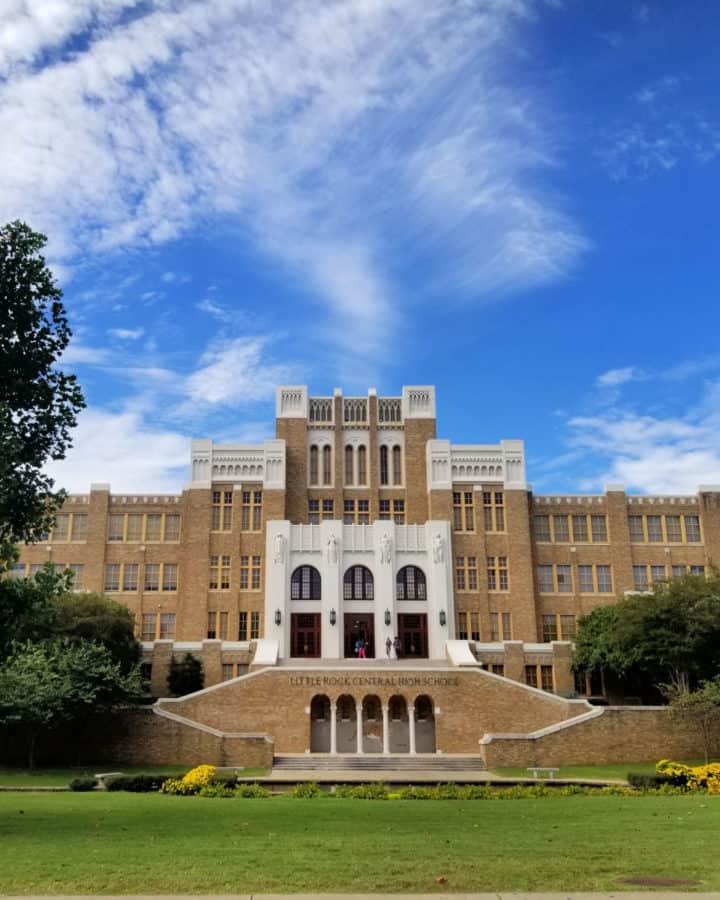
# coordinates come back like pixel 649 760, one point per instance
pixel 278 617
pixel 443 618
pixel 333 617
pixel 388 617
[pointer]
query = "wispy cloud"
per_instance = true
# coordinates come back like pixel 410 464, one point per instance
pixel 127 334
pixel 615 377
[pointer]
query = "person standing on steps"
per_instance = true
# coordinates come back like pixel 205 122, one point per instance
pixel 388 648
pixel 397 646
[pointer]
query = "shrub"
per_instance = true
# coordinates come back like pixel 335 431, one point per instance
pixel 191 782
pixel 692 778
pixel 216 789
pixel 648 782
pixel 84 783
pixel 306 790
pixel 251 790
pixel 137 784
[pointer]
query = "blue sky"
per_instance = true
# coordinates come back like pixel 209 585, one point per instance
pixel 513 200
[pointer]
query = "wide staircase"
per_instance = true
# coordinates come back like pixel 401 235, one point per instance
pixel 377 762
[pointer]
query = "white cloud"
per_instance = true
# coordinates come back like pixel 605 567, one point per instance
pixel 80 353
pixel 127 334
pixel 323 129
pixel 212 308
pixel 616 377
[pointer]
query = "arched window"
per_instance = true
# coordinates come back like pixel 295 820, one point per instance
pixel 358 584
pixel 305 584
pixel 314 464
pixel 320 708
pixel 362 465
pixel 423 708
pixel 411 584
pixel 397 464
pixel 348 464
pixel 327 464
pixel 384 479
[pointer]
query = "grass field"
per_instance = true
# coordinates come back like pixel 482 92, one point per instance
pixel 62 777
pixel 149 843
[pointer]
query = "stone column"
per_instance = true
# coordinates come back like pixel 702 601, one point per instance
pixel 411 727
pixel 333 728
pixel 386 729
pixel 358 715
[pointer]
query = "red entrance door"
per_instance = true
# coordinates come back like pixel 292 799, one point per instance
pixel 305 634
pixel 412 631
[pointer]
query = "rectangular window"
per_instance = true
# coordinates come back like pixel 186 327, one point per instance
pixel 134 527
pixel 79 527
pixel 568 628
pixel 222 510
pixel 564 579
pixel 251 518
pixel 115 527
pixel 255 574
pixel 585 580
pixel 640 579
pixel 678 571
pixel 61 528
pixel 580 529
pixel 172 528
pixel 223 626
pixel 392 509
pixel 228 671
pixel 130 577
pixel 463 511
pixel 254 626
pixel 657 574
pixel 598 527
pixel 549 624
pixel 635 526
pixel 327 510
pixel 692 529
pixel 169 577
pixel 384 510
pixel 349 512
pixel 697 570
pixel 112 577
pixel 242 627
pixel 604 579
pixel 545 579
pixel 314 512
pixel 654 529
pixel 497 669
pixel 466 573
pixel 531 678
pixel 19 570
pixel 462 626
pixel 363 512
pixel 561 532
pixel 541 528
pixel 249 573
pixel 491 574
pixel 673 530
pixel 152 576
pixel 220 573
pixel 494 510
pixel 167 626
pixel 546 678
pixel 34 569
pixel 212 626
pixel 153 527
pixel 503 581
pixel 149 627
pixel 494 626
pixel 474 626
pixel 78 570
pixel 506 622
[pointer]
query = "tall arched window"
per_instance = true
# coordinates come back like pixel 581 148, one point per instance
pixel 305 584
pixel 327 464
pixel 362 465
pixel 384 479
pixel 358 584
pixel 348 464
pixel 397 464
pixel 314 464
pixel 410 584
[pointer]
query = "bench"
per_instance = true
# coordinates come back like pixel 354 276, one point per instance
pixel 543 771
pixel 103 775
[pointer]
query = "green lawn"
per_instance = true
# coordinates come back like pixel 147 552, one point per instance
pixel 609 772
pixel 148 843
pixel 62 777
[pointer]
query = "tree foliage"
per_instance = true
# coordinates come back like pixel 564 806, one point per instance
pixel 38 403
pixel 44 684
pixel 185 676
pixel 701 706
pixel 670 636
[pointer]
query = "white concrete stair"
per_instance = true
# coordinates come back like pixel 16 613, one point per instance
pixel 377 762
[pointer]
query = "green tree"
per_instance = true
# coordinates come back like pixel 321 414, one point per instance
pixel 38 403
pixel 702 707
pixel 670 636
pixel 29 606
pixel 47 683
pixel 185 676
pixel 93 617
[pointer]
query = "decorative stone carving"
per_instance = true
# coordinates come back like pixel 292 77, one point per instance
pixel 385 549
pixel 332 552
pixel 279 549
pixel 438 548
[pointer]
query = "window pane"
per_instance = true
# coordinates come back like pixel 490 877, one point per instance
pixel 580 529
pixel 79 527
pixel 545 579
pixel 115 527
pixel 640 577
pixel 654 529
pixel 564 579
pixel 635 526
pixel 692 528
pixel 549 624
pixel 170 577
pixel 153 527
pixel 585 578
pixel 672 527
pixel 172 528
pixel 152 577
pixel 560 527
pixel 598 525
pixel 130 577
pixel 604 580
pixel 541 527
pixel 134 527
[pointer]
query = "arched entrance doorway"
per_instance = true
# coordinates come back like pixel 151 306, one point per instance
pixel 424 725
pixel 346 728
pixel 372 722
pixel 398 724
pixel 320 724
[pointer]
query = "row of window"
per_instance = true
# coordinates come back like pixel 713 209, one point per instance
pixel 358 584
pixel 143 527
pixel 24 570
pixel 158 626
pixel 586 528
pixel 219 579
pixel 558 579
pixel 493 508
pixel 218 625
pixel 67 527
pixel 558 626
pixel 356 465
pixel 250 510
pixel 664 529
pixel 468 626
pixel 466 573
pixel 356 512
pixel 645 576
pixel 125 577
pixel 540 677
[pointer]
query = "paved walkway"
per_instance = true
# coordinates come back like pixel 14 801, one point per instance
pixel 436 776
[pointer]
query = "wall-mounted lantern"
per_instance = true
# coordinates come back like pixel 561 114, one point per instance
pixel 388 617
pixel 333 617
pixel 278 617
pixel 443 618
